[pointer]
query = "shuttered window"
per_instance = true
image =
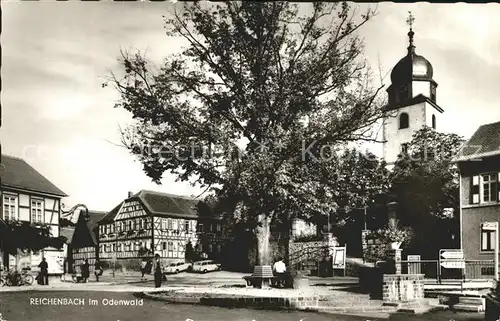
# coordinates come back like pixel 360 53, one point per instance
pixel 489 188
pixel 485 188
pixel 474 197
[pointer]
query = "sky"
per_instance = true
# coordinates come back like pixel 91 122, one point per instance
pixel 57 116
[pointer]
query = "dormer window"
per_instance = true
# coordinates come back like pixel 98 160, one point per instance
pixel 404 121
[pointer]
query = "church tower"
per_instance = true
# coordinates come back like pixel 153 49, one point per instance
pixel 412 101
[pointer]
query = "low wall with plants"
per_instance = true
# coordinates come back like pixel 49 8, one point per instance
pixel 376 243
pixel 374 249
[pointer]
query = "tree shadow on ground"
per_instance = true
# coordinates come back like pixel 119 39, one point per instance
pixel 353 284
pixel 356 289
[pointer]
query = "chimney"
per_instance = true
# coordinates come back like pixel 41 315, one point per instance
pixel 130 194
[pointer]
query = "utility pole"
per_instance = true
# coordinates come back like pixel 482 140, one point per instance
pixel 496 251
pixel 365 217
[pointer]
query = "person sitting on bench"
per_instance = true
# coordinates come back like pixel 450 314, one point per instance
pixel 279 270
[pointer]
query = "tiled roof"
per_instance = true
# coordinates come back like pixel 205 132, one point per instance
pixel 67 232
pixel 111 214
pixel 95 217
pixel 17 173
pixel 485 142
pixel 161 204
pixel 169 204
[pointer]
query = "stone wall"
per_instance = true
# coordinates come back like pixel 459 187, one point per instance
pixel 402 287
pixel 373 248
pixel 315 250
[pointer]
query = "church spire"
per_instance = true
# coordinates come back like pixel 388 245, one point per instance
pixel 409 21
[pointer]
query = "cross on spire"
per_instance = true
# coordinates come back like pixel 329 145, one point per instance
pixel 410 20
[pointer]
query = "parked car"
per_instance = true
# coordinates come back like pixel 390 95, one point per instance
pixel 177 267
pixel 206 266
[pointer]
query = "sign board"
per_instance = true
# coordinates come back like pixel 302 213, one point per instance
pixel 489 226
pixel 339 256
pixel 453 264
pixel 55 261
pixel 451 259
pixel 413 258
pixel 452 255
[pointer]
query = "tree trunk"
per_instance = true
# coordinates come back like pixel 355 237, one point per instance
pixel 263 234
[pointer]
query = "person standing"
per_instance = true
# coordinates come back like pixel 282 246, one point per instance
pixel 97 270
pixel 85 270
pixel 144 263
pixel 157 270
pixel 44 272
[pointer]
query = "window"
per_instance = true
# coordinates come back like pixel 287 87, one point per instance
pixel 170 246
pixel 164 245
pixel 487 240
pixel 404 148
pixel 169 224
pixel 186 226
pixel 10 207
pixel 37 211
pixel 434 121
pixel 219 227
pixel 200 227
pixel 404 121
pixel 489 188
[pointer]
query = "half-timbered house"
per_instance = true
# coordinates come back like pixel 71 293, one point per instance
pixel 149 223
pixel 26 195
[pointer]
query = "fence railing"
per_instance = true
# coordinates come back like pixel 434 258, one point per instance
pixel 431 269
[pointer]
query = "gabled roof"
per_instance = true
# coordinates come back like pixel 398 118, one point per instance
pixel 111 214
pixel 484 143
pixel 415 100
pixel 86 231
pixel 67 232
pixel 92 223
pixel 168 204
pixel 162 204
pixel 17 173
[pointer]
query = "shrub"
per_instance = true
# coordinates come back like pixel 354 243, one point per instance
pixel 393 232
